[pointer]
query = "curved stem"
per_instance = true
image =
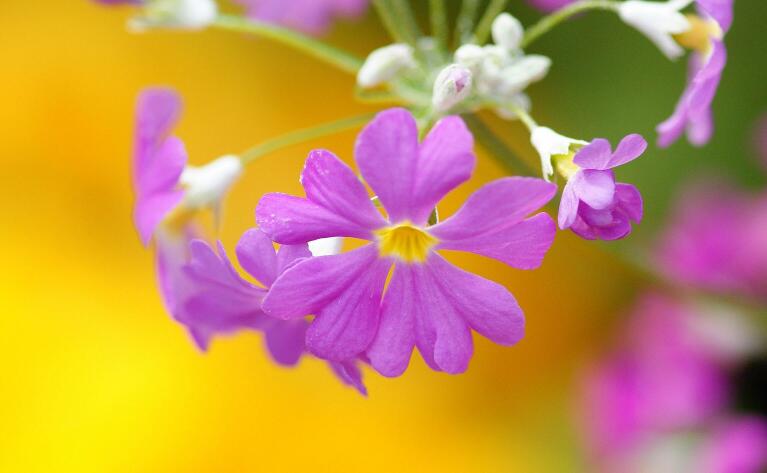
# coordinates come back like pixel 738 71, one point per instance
pixel 302 135
pixel 317 49
pixel 494 9
pixel 550 21
pixel 524 117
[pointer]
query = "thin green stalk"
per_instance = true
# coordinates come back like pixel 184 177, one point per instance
pixel 302 135
pixel 407 19
pixel 317 49
pixel 524 117
pixel 494 145
pixel 550 21
pixel 388 15
pixel 494 9
pixel 438 19
pixel 464 24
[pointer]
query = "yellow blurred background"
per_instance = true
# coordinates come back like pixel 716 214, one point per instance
pixel 96 377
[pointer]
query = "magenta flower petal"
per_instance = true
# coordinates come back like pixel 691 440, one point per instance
pixel 595 155
pixel 630 201
pixel 737 446
pixel 521 246
pixel 631 147
pixel 256 255
pixel 293 220
pixel 350 374
pixel 719 10
pixel 331 184
pixel 387 156
pixel 488 307
pixel 568 207
pixel 310 16
pixel 391 349
pixel 285 340
pixel 549 5
pixel 495 206
pixel 310 285
pixel 158 160
pixel 446 160
pixel 594 187
pixel 344 327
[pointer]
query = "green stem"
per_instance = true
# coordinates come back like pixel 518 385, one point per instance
pixel 550 21
pixel 524 117
pixel 464 24
pixel 486 23
pixel 317 49
pixel 302 135
pixel 494 145
pixel 388 15
pixel 407 20
pixel 438 19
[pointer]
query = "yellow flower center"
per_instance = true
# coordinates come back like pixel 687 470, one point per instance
pixel 405 242
pixel 564 164
pixel 699 36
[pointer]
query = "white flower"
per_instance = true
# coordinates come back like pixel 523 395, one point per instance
pixel 326 246
pixel 384 64
pixel 521 73
pixel 658 21
pixel 549 143
pixel 206 185
pixel 507 31
pixel 184 14
pixel 452 85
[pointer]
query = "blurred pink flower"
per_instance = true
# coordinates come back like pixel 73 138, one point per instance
pixel 549 5
pixel 310 16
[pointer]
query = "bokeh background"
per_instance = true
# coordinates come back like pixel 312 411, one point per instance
pixel 96 377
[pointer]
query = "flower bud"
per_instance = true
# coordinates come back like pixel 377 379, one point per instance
pixel 206 185
pixel 470 55
pixel 384 64
pixel 658 21
pixel 523 72
pixel 507 31
pixel 453 84
pixel 183 14
pixel 551 144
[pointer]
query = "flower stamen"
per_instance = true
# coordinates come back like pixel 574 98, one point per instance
pixel 405 242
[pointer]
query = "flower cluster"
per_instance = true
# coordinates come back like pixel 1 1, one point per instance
pixel 393 291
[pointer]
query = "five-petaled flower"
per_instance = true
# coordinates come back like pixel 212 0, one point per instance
pixel 429 303
pixel 219 301
pixel 593 205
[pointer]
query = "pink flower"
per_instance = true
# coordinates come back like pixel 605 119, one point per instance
pixel 593 205
pixel 220 301
pixel 429 303
pixel 309 16
pixel 549 5
pixel 738 445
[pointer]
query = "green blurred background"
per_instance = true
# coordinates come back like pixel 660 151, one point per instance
pixel 96 377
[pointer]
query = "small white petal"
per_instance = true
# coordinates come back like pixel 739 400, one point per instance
pixel 384 64
pixel 326 246
pixel 549 143
pixel 183 14
pixel 507 31
pixel 206 185
pixel 658 21
pixel 452 85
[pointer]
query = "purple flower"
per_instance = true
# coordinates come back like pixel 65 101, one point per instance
pixel 737 445
pixel 429 303
pixel 664 379
pixel 716 241
pixel 309 16
pixel 593 205
pixel 158 160
pixel 217 300
pixel 549 5
pixel 693 111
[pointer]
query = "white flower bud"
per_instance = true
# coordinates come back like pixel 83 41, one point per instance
pixel 183 14
pixel 470 55
pixel 206 185
pixel 384 64
pixel 658 21
pixel 549 143
pixel 507 31
pixel 326 246
pixel 453 84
